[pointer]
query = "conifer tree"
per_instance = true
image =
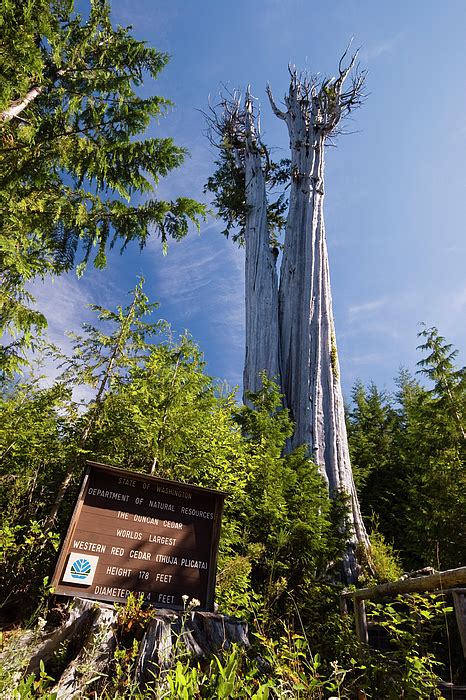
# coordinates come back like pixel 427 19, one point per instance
pixel 408 451
pixel 98 360
pixel 72 151
pixel 449 390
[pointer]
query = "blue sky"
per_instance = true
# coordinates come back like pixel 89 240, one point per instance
pixel 395 186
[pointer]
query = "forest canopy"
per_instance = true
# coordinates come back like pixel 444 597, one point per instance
pixel 155 410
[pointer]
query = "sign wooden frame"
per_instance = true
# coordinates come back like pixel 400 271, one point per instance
pixel 123 539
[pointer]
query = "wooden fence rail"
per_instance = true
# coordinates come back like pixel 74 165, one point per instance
pixel 440 580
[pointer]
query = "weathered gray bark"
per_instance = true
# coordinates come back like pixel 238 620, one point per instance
pixel 309 361
pixel 291 335
pixel 236 131
pixel 90 629
pixel 201 634
pixel 94 658
pixel 76 625
pixel 262 337
pixel 298 269
pixel 440 580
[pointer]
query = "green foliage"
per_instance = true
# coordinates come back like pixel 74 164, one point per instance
pixel 384 557
pixel 169 405
pixel 74 156
pixel 71 159
pixel 33 687
pixel 16 649
pixel 385 561
pixel 33 423
pixel 270 669
pixel 21 546
pixel 371 425
pixel 408 453
pixel 105 353
pixel 155 410
pixel 449 390
pixel 35 426
pixel 288 516
pixel 133 615
pixel 100 359
pixel 409 670
pixel 334 357
pixel 227 186
pixel 229 676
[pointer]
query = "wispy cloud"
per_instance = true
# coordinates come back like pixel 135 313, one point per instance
pixel 458 300
pixel 206 263
pixel 64 302
pixel 370 358
pixel 202 281
pixel 361 310
pixel 374 51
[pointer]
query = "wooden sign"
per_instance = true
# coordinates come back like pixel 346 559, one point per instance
pixel 132 533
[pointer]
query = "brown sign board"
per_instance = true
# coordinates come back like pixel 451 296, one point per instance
pixel 132 533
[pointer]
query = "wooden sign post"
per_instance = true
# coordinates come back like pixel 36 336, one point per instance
pixel 132 533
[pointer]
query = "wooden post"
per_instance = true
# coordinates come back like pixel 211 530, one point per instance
pixel 459 602
pixel 343 605
pixel 441 580
pixel 360 620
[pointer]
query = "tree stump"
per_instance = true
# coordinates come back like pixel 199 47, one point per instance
pixel 94 658
pixel 76 646
pixel 201 634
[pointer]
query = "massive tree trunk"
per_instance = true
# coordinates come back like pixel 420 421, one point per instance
pixel 236 133
pixel 262 338
pixel 297 274
pixel 309 361
pixel 291 335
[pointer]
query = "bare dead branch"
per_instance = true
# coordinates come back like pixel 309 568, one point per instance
pixel 278 113
pixel 322 102
pixel 234 126
pixel 345 53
